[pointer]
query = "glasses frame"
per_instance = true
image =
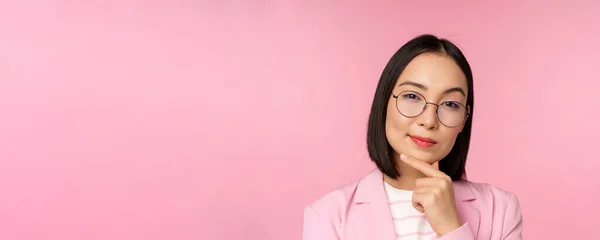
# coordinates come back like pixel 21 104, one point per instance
pixel 437 107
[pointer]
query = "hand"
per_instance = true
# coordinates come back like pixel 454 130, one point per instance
pixel 434 196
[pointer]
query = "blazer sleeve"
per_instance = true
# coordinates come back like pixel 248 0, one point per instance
pixel 317 228
pixel 461 233
pixel 512 227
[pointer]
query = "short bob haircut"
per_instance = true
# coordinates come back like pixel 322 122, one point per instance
pixel 380 151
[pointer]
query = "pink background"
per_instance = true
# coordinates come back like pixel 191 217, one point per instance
pixel 222 120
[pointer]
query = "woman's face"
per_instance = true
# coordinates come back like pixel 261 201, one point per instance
pixel 432 78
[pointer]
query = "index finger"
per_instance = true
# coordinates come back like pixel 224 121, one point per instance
pixel 436 165
pixel 425 168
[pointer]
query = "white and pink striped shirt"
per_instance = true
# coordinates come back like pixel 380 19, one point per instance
pixel 409 223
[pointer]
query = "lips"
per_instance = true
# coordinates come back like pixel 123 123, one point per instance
pixel 422 141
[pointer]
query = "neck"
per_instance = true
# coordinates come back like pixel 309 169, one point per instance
pixel 408 176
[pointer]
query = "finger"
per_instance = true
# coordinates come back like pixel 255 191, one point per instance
pixel 420 209
pixel 416 202
pixel 425 168
pixel 426 191
pixel 436 165
pixel 432 182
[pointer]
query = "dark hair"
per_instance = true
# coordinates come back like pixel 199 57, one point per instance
pixel 380 151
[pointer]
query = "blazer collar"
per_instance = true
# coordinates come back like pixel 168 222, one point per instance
pixel 370 194
pixel 370 188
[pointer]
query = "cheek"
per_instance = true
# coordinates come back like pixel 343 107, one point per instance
pixel 450 138
pixel 395 125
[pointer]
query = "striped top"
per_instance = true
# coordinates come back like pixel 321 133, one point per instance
pixel 409 223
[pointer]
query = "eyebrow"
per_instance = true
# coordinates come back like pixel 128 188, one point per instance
pixel 421 86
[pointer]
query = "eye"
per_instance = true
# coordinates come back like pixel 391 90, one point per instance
pixel 411 96
pixel 451 104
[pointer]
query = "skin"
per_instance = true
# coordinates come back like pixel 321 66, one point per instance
pixel 438 78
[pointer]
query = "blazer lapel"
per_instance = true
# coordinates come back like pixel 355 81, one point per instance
pixel 467 210
pixel 371 210
pixel 372 218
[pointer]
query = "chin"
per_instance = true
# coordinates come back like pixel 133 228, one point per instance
pixel 427 158
pixel 426 155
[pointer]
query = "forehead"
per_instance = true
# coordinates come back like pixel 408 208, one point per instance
pixel 436 71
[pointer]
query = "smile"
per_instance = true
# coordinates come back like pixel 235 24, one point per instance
pixel 422 142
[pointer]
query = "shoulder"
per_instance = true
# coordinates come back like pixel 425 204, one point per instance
pixel 486 192
pixel 325 216
pixel 334 202
pixel 337 204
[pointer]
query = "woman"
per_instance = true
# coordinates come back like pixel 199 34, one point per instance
pixel 418 136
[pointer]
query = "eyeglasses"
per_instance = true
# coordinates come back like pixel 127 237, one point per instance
pixel 450 113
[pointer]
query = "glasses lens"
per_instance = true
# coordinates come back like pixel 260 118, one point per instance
pixel 451 113
pixel 410 104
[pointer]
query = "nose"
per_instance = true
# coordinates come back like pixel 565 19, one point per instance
pixel 428 118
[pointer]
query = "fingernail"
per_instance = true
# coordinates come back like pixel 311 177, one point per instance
pixel 402 156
